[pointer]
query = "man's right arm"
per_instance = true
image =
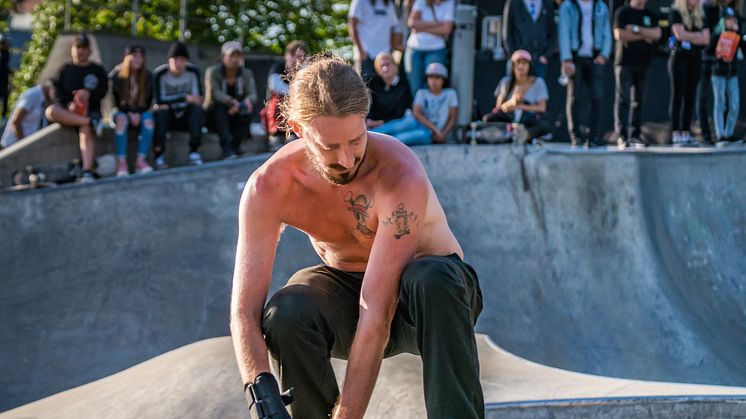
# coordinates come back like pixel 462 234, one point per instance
pixel 17 121
pixel 259 230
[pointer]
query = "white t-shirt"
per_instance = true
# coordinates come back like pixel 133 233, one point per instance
pixel 425 41
pixel 374 24
pixel 436 107
pixel 32 100
pixel 586 28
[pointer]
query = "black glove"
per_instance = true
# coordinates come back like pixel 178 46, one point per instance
pixel 265 400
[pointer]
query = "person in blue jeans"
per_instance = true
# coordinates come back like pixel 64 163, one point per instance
pixel 433 113
pixel 431 22
pixel 132 86
pixel 725 80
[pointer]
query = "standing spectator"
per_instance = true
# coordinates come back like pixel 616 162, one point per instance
pixel 28 115
pixel 585 47
pixel 522 97
pixel 178 103
pixel 725 76
pixel 712 10
pixel 277 89
pixel 231 95
pixel 4 74
pixel 529 25
pixel 431 22
pixel 132 86
pixel 372 25
pixel 636 32
pixel 433 115
pixel 390 94
pixel 79 88
pixel 690 36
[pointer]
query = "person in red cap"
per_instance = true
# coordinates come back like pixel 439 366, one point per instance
pixel 522 97
pixel 79 88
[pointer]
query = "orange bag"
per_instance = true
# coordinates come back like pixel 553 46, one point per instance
pixel 727 46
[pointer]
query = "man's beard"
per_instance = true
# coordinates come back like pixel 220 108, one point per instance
pixel 335 179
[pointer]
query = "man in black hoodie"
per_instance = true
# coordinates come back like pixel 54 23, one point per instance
pixel 79 88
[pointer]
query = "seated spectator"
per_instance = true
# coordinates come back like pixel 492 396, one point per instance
pixel 231 94
pixel 522 97
pixel 431 22
pixel 434 113
pixel 373 26
pixel 132 86
pixel 724 78
pixel 178 103
pixel 277 88
pixel 390 95
pixel 28 115
pixel 79 88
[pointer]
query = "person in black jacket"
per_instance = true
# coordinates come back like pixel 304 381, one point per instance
pixel 179 96
pixel 79 89
pixel 132 86
pixel 529 25
pixel 725 79
pixel 390 94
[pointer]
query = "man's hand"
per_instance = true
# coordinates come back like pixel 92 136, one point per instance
pixel 543 60
pixel 600 60
pixel 194 99
pixel 265 400
pixel 234 107
pixel 249 105
pixel 568 67
pixel 438 136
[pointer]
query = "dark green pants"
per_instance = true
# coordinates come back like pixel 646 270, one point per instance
pixel 314 317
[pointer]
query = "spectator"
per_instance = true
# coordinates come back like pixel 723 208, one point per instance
pixel 636 32
pixel 79 88
pixel 277 88
pixel 725 76
pixel 689 36
pixel 390 94
pixel 28 115
pixel 178 103
pixel 529 25
pixel 585 46
pixel 373 26
pixel 522 97
pixel 4 73
pixel 132 86
pixel 712 10
pixel 231 95
pixel 431 22
pixel 434 113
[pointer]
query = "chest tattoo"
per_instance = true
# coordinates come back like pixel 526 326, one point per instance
pixel 400 218
pixel 359 207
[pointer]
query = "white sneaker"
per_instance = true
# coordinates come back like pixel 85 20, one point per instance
pixel 195 158
pixel 160 163
pixel 677 140
pixel 688 140
pixel 87 177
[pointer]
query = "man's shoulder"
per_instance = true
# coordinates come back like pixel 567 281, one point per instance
pixel 395 161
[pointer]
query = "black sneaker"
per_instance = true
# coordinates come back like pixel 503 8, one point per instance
pixel 635 142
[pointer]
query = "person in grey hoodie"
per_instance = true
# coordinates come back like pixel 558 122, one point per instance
pixel 529 25
pixel 585 45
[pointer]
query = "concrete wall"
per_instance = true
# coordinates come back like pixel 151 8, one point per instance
pixel 624 264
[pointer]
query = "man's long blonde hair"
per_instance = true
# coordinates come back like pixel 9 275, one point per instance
pixel 325 85
pixel 693 18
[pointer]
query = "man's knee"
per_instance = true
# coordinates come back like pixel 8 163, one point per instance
pixel 290 309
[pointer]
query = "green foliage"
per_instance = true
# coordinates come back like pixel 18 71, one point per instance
pixel 265 26
pixel 5 7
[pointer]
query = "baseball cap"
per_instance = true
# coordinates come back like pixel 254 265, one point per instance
pixel 521 54
pixel 178 49
pixel 131 49
pixel 230 47
pixel 436 69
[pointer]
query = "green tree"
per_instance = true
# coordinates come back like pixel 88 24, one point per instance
pixel 263 25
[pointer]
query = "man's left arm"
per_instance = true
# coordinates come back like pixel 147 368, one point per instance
pixel 402 203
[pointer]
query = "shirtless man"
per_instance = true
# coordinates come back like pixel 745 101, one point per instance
pixel 392 278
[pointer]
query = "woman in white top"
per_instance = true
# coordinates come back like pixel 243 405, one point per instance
pixel 431 22
pixel 373 26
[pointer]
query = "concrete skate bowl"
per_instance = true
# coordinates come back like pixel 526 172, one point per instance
pixel 621 264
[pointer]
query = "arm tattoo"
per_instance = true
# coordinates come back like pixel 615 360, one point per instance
pixel 401 219
pixel 359 207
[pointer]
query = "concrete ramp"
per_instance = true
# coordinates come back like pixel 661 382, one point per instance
pixel 201 381
pixel 620 264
